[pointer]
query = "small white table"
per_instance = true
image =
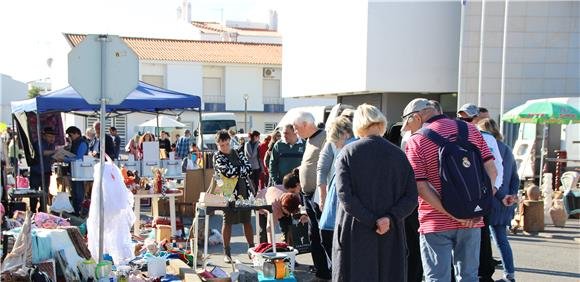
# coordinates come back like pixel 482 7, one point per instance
pixel 155 209
pixel 201 206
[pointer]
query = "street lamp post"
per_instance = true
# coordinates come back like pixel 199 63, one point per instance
pixel 246 113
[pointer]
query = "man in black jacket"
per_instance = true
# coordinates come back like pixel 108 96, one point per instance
pixel 109 143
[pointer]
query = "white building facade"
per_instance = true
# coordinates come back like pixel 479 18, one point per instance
pixel 386 53
pixel 221 73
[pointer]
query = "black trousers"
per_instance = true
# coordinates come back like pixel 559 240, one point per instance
pixel 316 249
pixel 35 181
pixel 326 236
pixel 486 265
pixel 263 220
pixel 255 177
pixel 414 264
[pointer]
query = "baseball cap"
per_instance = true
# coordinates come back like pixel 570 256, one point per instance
pixel 416 105
pixel 469 109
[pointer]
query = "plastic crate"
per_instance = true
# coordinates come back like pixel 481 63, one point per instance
pixel 258 260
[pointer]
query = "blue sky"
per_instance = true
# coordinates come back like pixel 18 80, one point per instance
pixel 30 27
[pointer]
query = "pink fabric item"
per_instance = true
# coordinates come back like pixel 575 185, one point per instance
pixel 49 221
pixel 22 182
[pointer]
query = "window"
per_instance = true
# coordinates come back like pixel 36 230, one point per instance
pixel 156 80
pixel 212 90
pixel 271 88
pixel 213 126
pixel 270 127
pixel 120 122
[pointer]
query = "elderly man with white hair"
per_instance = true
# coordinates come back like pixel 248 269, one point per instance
pixel 305 127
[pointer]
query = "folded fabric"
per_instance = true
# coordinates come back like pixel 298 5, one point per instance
pixel 161 220
pixel 49 221
pixel 61 241
pixel 78 241
pixel 267 247
pixel 41 246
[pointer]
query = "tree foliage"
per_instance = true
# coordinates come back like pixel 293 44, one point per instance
pixel 34 91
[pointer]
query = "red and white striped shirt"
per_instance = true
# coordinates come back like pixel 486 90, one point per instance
pixel 423 156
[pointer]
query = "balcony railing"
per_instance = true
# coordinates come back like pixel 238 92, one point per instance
pixel 214 99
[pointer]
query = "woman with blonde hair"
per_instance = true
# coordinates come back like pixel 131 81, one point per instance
pixel 501 215
pixel 339 134
pixel 376 191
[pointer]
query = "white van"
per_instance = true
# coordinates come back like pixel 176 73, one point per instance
pixel 211 124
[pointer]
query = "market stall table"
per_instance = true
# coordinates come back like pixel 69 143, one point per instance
pixel 207 209
pixel 155 209
pixel 16 194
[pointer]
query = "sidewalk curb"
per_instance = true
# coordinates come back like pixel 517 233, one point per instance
pixel 546 235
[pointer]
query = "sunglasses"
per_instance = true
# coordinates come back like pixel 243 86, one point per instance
pixel 466 119
pixel 408 115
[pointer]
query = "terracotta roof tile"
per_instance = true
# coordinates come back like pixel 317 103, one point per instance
pixel 199 51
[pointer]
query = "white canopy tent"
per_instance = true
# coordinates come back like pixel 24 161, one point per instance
pixel 162 121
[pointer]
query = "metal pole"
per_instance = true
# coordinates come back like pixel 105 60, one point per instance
pixel 481 40
pixel 102 140
pixel 41 158
pixel 503 64
pixel 544 133
pixel 157 128
pixel 200 131
pixel 460 49
pixel 246 113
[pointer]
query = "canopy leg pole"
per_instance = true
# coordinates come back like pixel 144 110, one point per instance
pixel 542 153
pixel 102 151
pixel 157 128
pixel 42 172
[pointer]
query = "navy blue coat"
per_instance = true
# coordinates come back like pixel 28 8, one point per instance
pixel 500 214
pixel 373 179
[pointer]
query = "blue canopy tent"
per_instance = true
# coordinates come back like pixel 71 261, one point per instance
pixel 145 98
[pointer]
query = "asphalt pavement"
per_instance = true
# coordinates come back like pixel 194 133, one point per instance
pixel 551 255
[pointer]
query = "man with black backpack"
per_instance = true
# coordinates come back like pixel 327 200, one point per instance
pixel 454 171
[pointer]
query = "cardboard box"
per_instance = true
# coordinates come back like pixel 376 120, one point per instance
pixel 196 181
pixel 178 267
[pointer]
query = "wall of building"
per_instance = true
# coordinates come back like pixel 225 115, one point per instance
pixel 325 48
pixel 10 90
pixel 384 46
pixel 391 104
pixel 186 78
pixel 243 38
pixel 542 55
pixel 412 46
pixel 241 80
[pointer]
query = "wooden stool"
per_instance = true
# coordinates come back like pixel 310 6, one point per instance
pixel 533 216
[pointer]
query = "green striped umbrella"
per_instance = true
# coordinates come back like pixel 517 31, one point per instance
pixel 543 112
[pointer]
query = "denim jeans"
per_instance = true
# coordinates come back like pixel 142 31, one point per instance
pixel 499 234
pixel 439 249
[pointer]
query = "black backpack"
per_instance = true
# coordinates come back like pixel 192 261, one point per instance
pixel 466 190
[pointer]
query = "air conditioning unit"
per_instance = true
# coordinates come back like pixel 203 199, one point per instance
pixel 269 72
